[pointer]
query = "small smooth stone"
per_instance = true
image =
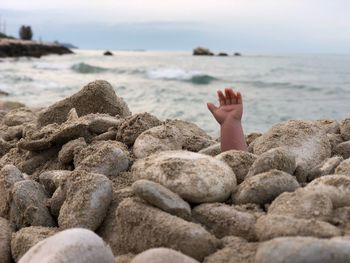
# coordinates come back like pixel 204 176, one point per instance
pixel 161 255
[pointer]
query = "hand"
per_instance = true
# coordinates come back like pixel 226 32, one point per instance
pixel 230 109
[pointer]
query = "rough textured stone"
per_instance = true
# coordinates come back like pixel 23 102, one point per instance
pixel 251 137
pixel 329 125
pixel 161 197
pixel 334 140
pixel 239 161
pixel 328 166
pixel 96 97
pixel 66 154
pixel 19 116
pixel 88 196
pixel 264 188
pixel 343 167
pixel 197 178
pixel 5 241
pixel 51 179
pixel 160 255
pixel 303 250
pixel 27 237
pixel 223 220
pixel 272 226
pixel 343 149
pixel 213 150
pixel 137 220
pixel 345 129
pixel 72 245
pixel 277 158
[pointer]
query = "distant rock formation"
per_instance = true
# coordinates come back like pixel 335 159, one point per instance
pixel 237 54
pixel 23 48
pixel 108 53
pixel 200 51
pixel 222 54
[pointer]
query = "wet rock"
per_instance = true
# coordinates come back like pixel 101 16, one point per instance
pixel 51 179
pixel 264 188
pixel 66 154
pixel 329 125
pixel 345 129
pixel 161 197
pixel 343 167
pixel 136 220
pixel 223 220
pixel 239 161
pixel 236 250
pixel 328 166
pixel 19 116
pixel 277 158
pixel 5 241
pixel 272 226
pixel 160 138
pixel 213 150
pixel 9 175
pixel 88 196
pixel 305 139
pixel 302 204
pixel 96 97
pixel 303 249
pixel 27 237
pixel 109 158
pixel 134 125
pixel 194 138
pixel 72 245
pixel 28 206
pixel 197 178
pixel 160 255
pixel 343 149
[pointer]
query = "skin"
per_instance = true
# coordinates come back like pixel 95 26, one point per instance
pixel 229 115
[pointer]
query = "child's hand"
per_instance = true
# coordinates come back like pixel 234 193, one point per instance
pixel 230 109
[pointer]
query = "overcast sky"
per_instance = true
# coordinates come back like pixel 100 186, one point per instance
pixel 256 26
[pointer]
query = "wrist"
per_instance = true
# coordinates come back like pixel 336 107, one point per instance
pixel 231 122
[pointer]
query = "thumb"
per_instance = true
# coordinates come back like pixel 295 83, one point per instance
pixel 212 107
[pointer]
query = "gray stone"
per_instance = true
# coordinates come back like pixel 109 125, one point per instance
pixel 213 150
pixel 66 154
pixel 343 149
pixel 161 255
pixel 343 167
pixel 19 116
pixel 328 166
pixel 5 241
pixel 345 129
pixel 51 179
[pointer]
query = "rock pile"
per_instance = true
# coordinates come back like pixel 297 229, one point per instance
pixel 84 180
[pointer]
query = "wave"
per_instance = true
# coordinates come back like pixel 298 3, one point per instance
pixel 50 66
pixel 84 68
pixel 287 85
pixel 194 77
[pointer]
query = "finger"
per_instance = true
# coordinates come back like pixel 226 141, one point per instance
pixel 233 96
pixel 222 99
pixel 228 96
pixel 239 98
pixel 212 107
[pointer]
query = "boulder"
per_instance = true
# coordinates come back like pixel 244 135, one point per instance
pixel 19 116
pixel 329 125
pixel 272 226
pixel 200 51
pixel 334 140
pixel 239 161
pixel 66 154
pixel 328 166
pixel 5 241
pixel 88 196
pixel 160 255
pixel 213 150
pixel 73 245
pixel 345 129
pixel 343 167
pixel 51 179
pixel 264 188
pixel 96 97
pixel 161 197
pixel 197 178
pixel 223 220
pixel 136 220
pixel 108 53
pixel 343 149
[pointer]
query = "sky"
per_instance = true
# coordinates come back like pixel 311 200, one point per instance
pixel 250 26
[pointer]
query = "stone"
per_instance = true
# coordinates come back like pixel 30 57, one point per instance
pixel 223 220
pixel 249 138
pixel 19 116
pixel 13 133
pixel 124 258
pixel 136 220
pixel 264 188
pixel 236 250
pixel 5 241
pixel 345 129
pixel 160 255
pixel 51 179
pixel 27 237
pixel 66 154
pixel 305 139
pixel 101 123
pixel 109 158
pixel 334 140
pixel 272 226
pixel 329 125
pixel 197 178
pixel 303 250
pixel 277 158
pixel 213 150
pixel 200 51
pixel 302 204
pixel 107 136
pixel 328 166
pixel 5 147
pixel 341 218
pixel 73 245
pixel 96 97
pixel 28 206
pixel 56 201
pixel 160 138
pixel 239 161
pixel 343 167
pixel 134 125
pixel 161 197
pixel 343 149
pixel 88 196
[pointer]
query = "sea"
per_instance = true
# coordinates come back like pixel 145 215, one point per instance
pixel 170 85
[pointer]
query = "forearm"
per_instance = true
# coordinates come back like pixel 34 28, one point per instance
pixel 232 136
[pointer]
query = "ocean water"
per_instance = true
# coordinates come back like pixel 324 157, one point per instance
pixel 178 85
